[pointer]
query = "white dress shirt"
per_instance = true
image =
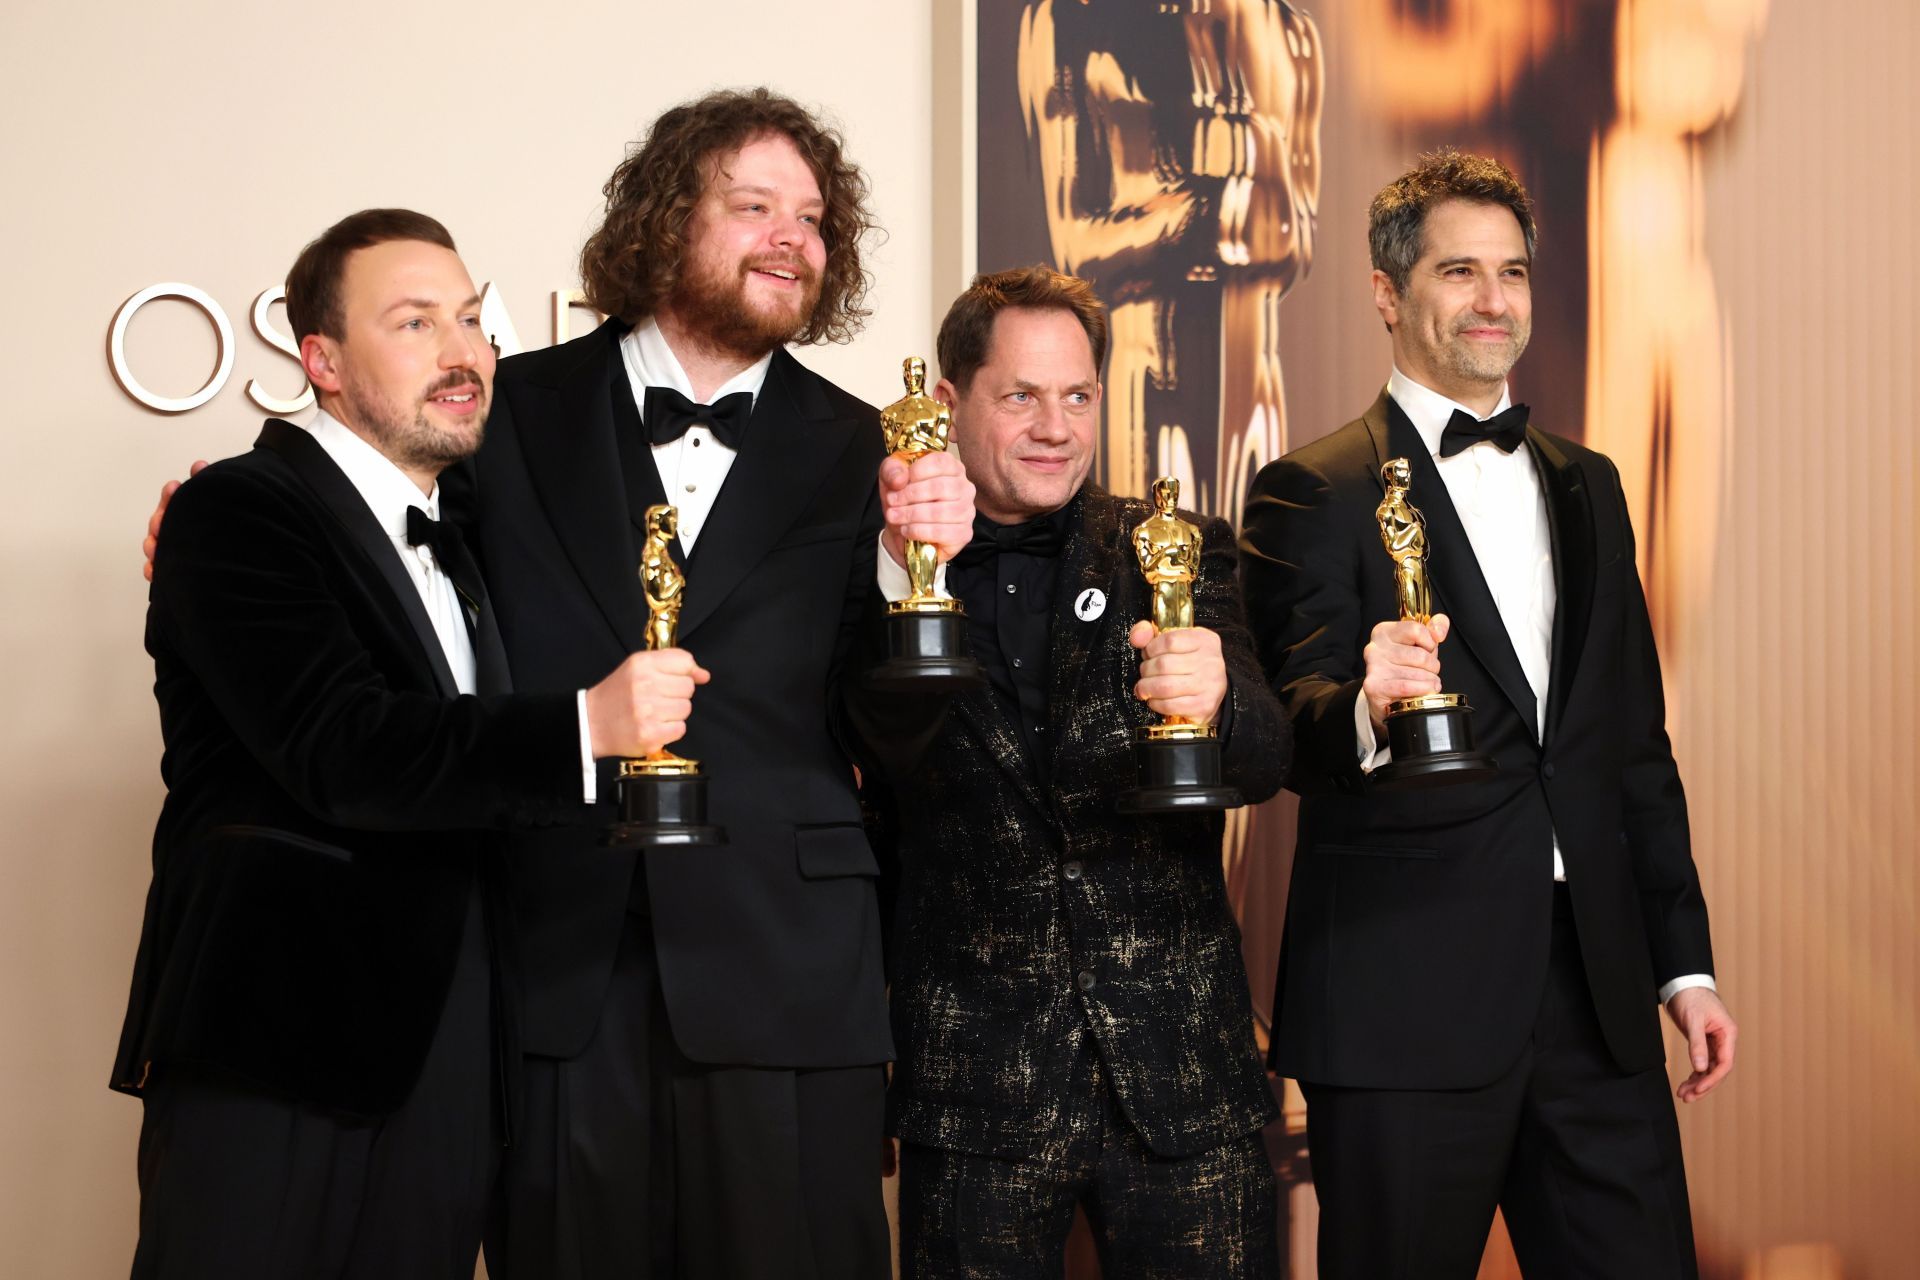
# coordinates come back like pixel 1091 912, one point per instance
pixel 1503 508
pixel 388 493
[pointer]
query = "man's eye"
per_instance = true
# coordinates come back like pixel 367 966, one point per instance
pixel 1021 397
pixel 416 324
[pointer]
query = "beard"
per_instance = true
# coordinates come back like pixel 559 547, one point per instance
pixel 710 300
pixel 1476 361
pixel 415 440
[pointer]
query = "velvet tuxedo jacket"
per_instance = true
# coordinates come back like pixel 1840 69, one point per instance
pixel 310 874
pixel 769 946
pixel 1416 940
pixel 1011 893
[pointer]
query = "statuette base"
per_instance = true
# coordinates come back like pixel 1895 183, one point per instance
pixel 1432 741
pixel 663 802
pixel 927 651
pixel 1178 774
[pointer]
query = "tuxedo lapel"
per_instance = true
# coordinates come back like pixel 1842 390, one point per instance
pixel 575 465
pixel 1570 518
pixel 1088 559
pixel 1459 589
pixel 318 471
pixel 792 443
pixel 985 716
pixel 641 473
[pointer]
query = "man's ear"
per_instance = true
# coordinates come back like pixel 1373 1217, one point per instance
pixel 320 357
pixel 945 392
pixel 1386 299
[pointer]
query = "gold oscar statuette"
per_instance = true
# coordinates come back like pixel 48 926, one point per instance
pixel 1431 735
pixel 663 797
pixel 926 632
pixel 1178 758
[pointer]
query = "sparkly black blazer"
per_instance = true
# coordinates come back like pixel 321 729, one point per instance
pixel 1028 920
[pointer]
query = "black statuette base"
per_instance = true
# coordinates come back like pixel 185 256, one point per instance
pixel 927 654
pixel 658 810
pixel 1432 747
pixel 1178 775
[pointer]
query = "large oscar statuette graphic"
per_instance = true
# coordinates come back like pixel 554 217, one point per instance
pixel 1178 759
pixel 1431 736
pixel 926 633
pixel 663 798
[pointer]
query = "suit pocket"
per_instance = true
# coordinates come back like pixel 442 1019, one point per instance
pixel 1374 851
pixel 274 835
pixel 838 850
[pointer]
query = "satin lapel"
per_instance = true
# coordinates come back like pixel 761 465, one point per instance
pixel 792 442
pixel 640 472
pixel 986 718
pixel 1087 560
pixel 1570 517
pixel 1459 589
pixel 311 463
pixel 575 465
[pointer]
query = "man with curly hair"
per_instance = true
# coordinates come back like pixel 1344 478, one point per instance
pixel 706 1027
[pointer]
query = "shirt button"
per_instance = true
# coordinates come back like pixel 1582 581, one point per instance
pixel 1016 662
pixel 1071 871
pixel 1011 588
pixel 1085 980
pixel 691 488
pixel 696 442
pixel 1547 770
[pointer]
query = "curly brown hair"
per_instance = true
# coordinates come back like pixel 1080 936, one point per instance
pixel 629 267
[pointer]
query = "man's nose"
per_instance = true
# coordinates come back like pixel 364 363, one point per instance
pixel 1489 297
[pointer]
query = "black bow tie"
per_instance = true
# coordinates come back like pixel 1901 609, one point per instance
pixel 667 415
pixel 1039 537
pixel 450 549
pixel 1505 430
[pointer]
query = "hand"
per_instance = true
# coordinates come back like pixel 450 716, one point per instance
pixel 1181 672
pixel 151 543
pixel 1710 1034
pixel 929 501
pixel 644 704
pixel 1403 661
pixel 889 1158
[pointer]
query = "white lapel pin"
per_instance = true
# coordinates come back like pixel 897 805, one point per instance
pixel 1090 604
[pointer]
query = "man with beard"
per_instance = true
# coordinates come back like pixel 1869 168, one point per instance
pixel 1070 1005
pixel 311 1026
pixel 706 1027
pixel 1470 975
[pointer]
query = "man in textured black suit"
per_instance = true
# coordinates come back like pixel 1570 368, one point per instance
pixel 706 1027
pixel 312 1024
pixel 1070 1005
pixel 1470 976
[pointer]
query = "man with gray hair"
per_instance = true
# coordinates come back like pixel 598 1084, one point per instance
pixel 1470 975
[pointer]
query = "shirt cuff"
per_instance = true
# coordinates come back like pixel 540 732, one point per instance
pixel 893 580
pixel 1681 983
pixel 589 780
pixel 1372 752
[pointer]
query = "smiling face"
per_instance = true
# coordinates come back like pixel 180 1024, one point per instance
pixel 752 274
pixel 1025 424
pixel 1467 311
pixel 412 371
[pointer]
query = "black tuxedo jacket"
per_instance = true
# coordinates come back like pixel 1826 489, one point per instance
pixel 309 878
pixel 769 946
pixel 1011 893
pixel 1417 929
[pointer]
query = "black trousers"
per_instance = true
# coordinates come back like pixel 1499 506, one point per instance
pixel 1582 1159
pixel 631 1161
pixel 241 1185
pixel 1207 1216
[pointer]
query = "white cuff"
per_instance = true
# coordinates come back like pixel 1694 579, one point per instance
pixel 589 779
pixel 1373 753
pixel 893 580
pixel 1681 983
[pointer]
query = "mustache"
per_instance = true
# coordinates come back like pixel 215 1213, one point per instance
pixel 453 383
pixel 802 269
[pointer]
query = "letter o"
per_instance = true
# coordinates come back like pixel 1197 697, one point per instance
pixel 117 347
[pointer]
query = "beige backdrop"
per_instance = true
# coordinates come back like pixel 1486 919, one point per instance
pixel 206 142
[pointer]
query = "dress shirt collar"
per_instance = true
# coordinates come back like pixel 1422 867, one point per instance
pixel 387 490
pixel 1429 411
pixel 651 363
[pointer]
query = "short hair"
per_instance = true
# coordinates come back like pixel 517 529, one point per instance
pixel 966 335
pixel 313 286
pixel 1396 221
pixel 630 265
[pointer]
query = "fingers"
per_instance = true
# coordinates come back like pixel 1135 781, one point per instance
pixel 1712 1066
pixel 1141 633
pixel 1182 672
pixel 929 501
pixel 1402 661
